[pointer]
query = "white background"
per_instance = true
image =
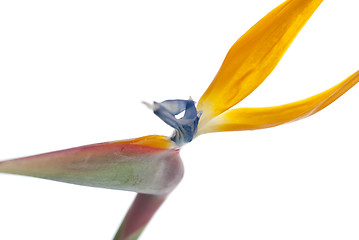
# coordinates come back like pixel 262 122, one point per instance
pixel 75 72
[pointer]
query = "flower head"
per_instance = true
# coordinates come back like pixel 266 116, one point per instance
pixel 150 165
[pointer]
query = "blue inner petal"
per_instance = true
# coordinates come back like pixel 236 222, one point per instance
pixel 185 127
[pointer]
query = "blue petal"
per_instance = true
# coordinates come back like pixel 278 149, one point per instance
pixel 185 127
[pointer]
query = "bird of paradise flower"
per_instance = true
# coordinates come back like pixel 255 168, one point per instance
pixel 151 165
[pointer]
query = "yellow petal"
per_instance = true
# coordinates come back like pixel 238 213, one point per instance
pixel 253 57
pixel 258 118
pixel 155 141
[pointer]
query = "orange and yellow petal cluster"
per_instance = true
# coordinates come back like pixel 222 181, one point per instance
pixel 249 62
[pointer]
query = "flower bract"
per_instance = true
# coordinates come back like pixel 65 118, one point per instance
pixel 151 165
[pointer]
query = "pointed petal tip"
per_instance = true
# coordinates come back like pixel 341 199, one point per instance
pixel 150 106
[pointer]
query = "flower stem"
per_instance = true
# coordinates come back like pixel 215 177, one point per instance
pixel 140 213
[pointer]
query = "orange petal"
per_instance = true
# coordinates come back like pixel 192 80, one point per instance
pixel 258 118
pixel 253 57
